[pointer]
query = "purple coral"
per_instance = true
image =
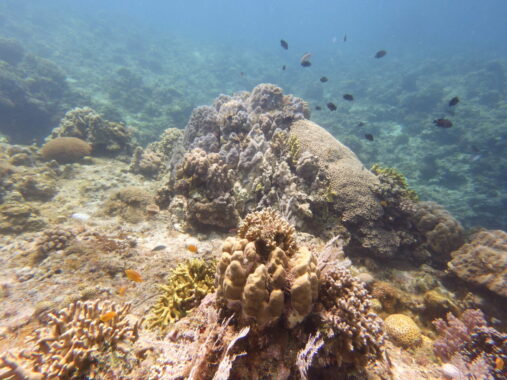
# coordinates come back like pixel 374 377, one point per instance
pixel 455 333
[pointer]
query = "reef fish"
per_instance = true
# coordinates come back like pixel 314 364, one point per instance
pixel 159 248
pixel 380 54
pixel 443 123
pixel 284 44
pixel 348 97
pixel 108 316
pixel 192 248
pixel 331 106
pixel 368 136
pixel 284 67
pixel 345 38
pixel 318 108
pixel 133 275
pixel 323 79
pixel 453 101
pixel 305 60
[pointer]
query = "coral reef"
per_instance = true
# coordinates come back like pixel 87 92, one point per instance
pixel 65 149
pixel 106 137
pixel 260 269
pixel 146 162
pixel 394 182
pixel 402 330
pixel 483 261
pixel 186 286
pixel 18 217
pixel 71 343
pixel 130 203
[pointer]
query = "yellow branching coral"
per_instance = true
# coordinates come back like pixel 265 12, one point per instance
pixel 396 179
pixel 186 286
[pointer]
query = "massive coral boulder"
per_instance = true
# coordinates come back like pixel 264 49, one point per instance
pixel 65 149
pixel 263 276
pixel 483 261
pixel 106 137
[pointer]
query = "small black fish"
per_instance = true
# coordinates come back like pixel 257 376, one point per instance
pixel 318 108
pixel 360 124
pixel 348 97
pixel 306 63
pixel 453 101
pixel 242 73
pixel 323 79
pixel 159 248
pixel 284 44
pixel 380 54
pixel 443 123
pixel 345 38
pixel 331 106
pixel 368 136
pixel 284 67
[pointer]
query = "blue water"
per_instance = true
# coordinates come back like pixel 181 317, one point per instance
pixel 198 49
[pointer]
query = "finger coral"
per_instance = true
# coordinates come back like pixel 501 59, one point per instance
pixel 186 286
pixel 262 274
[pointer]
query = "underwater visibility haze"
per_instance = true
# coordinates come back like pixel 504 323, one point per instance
pixel 253 189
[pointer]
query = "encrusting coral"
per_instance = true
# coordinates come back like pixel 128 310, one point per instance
pixel 186 286
pixel 263 275
pixel 483 261
pixel 70 345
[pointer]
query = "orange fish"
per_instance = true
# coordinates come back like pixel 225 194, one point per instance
pixel 108 316
pixel 192 248
pixel 122 291
pixel 133 275
pixel 499 364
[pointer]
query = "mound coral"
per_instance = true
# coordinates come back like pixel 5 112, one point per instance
pixel 186 286
pixel 264 276
pixel 483 261
pixel 65 150
pixel 105 137
pixel 403 331
pixel 74 338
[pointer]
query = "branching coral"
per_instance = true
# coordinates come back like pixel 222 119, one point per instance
pixel 74 338
pixel 186 286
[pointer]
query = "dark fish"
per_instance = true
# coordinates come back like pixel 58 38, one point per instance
pixel 360 124
pixel 284 67
pixel 323 79
pixel 453 101
pixel 331 106
pixel 380 53
pixel 345 38
pixel 348 97
pixel 368 136
pixel 443 123
pixel 159 248
pixel 305 60
pixel 284 44
pixel 318 108
pixel 242 73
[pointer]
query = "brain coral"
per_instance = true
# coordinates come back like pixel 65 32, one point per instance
pixel 483 261
pixel 264 276
pixel 65 149
pixel 402 330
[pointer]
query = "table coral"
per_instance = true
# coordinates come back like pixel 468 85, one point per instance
pixel 483 261
pixel 186 286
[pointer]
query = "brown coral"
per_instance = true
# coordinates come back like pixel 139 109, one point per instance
pixel 483 261
pixel 65 149
pixel 403 331
pixel 264 276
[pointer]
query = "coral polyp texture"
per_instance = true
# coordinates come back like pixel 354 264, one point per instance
pixel 65 149
pixel 263 276
pixel 186 286
pixel 70 345
pixel 403 330
pixel 105 137
pixel 483 261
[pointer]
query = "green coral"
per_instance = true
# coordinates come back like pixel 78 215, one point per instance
pixel 396 179
pixel 186 286
pixel 294 149
pixel 286 145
